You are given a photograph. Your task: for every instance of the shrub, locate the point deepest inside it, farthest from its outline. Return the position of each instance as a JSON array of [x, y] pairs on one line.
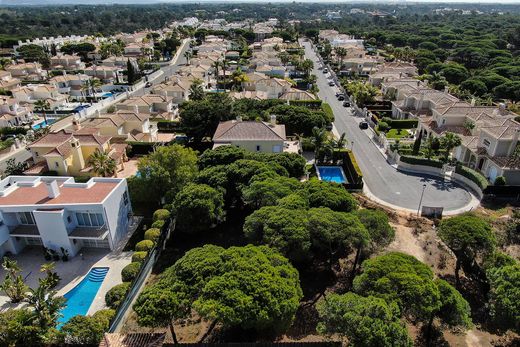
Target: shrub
[[421, 161], [383, 126], [116, 294], [472, 175], [329, 114], [161, 214], [144, 246], [139, 257], [314, 104], [104, 316], [158, 224], [403, 123], [500, 181], [130, 272], [152, 234]]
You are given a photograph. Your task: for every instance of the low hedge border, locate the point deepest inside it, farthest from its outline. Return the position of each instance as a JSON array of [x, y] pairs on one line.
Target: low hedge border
[[421, 161], [472, 175], [328, 112], [314, 104]]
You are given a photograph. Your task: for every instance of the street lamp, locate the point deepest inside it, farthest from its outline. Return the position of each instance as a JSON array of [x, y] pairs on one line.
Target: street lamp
[[420, 201]]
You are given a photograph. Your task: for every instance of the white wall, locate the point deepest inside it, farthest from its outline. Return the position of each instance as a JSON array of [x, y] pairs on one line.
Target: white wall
[[52, 225], [116, 213]]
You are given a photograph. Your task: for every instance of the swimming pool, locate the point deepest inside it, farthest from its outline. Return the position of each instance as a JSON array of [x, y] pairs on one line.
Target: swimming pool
[[44, 124], [81, 296], [331, 174]]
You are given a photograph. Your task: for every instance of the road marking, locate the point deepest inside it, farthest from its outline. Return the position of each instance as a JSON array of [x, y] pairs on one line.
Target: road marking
[[398, 193]]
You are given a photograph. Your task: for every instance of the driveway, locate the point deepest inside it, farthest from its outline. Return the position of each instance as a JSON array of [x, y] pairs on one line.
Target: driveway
[[382, 181]]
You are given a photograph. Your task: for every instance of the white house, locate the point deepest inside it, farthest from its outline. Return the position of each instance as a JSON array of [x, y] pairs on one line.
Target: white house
[[57, 212]]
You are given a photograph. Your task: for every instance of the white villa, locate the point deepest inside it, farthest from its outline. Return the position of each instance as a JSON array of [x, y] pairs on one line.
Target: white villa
[[57, 212]]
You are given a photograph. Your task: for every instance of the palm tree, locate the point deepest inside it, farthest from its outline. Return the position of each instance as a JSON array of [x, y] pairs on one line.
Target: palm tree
[[52, 278], [196, 92], [42, 106], [188, 55], [216, 66], [224, 64], [102, 164], [307, 65], [428, 149], [238, 77], [318, 138], [93, 84], [341, 52], [46, 305], [13, 284], [284, 57], [450, 141], [341, 142]]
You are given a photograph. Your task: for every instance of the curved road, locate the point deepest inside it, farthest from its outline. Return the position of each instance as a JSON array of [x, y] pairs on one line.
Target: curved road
[[382, 179]]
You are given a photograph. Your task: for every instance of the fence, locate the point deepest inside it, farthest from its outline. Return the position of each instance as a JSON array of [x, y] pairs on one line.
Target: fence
[[142, 276]]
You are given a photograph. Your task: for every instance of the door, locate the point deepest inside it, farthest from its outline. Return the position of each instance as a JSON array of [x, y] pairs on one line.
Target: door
[[492, 174]]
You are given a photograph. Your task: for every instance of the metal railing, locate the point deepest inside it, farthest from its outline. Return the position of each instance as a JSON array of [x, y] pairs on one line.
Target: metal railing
[[138, 282]]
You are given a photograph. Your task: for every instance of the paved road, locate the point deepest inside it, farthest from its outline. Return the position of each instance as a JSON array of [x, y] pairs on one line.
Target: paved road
[[383, 180], [19, 156]]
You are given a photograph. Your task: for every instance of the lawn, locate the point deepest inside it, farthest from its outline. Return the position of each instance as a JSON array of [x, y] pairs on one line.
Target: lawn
[[397, 133]]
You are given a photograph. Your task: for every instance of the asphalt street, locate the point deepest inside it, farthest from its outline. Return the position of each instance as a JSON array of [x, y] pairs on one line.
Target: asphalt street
[[382, 179]]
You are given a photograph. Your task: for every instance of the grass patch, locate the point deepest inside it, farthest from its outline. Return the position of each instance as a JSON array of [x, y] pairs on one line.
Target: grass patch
[[397, 134]]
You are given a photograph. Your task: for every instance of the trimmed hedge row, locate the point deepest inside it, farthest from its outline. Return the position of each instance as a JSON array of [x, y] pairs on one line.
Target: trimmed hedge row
[[355, 165], [403, 123], [314, 104], [421, 161], [472, 175], [329, 114]]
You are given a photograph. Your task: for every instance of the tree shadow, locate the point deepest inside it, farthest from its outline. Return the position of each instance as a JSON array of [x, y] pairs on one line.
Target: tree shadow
[[436, 338]]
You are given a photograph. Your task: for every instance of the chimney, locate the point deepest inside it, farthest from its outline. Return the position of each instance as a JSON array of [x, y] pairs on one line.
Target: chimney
[[239, 119], [76, 124], [273, 120], [446, 89], [472, 101], [53, 189], [136, 109], [98, 114]]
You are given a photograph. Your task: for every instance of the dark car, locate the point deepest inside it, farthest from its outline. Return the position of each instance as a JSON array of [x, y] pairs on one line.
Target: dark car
[[346, 104], [325, 70], [341, 97], [328, 127], [148, 84], [331, 83], [363, 125]]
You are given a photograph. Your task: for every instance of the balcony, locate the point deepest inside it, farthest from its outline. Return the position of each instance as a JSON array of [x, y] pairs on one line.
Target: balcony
[[98, 233], [23, 230]]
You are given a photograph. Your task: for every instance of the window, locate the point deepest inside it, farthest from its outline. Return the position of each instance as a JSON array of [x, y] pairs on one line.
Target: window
[[26, 218], [90, 219], [125, 198], [444, 121], [258, 148], [57, 164], [69, 220], [36, 153], [486, 143]]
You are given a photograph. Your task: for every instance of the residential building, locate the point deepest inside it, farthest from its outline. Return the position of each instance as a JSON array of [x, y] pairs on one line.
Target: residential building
[[142, 49], [68, 152], [27, 71], [392, 71], [73, 85], [66, 62], [34, 92], [157, 106], [120, 62], [177, 89], [273, 87], [8, 82], [12, 114], [254, 136], [107, 74], [58, 213]]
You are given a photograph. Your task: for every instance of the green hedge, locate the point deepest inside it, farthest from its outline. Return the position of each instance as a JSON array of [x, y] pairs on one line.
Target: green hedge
[[403, 123], [139, 257], [314, 104], [329, 114], [421, 161], [355, 165], [158, 224], [13, 131], [116, 294], [130, 272], [152, 234], [161, 214], [472, 175], [144, 246]]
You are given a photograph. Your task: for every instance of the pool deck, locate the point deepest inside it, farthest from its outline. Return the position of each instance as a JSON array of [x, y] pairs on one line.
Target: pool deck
[[72, 271]]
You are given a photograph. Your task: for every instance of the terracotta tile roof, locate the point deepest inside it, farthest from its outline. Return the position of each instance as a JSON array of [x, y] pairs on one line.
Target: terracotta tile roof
[[38, 195], [249, 131], [133, 340]]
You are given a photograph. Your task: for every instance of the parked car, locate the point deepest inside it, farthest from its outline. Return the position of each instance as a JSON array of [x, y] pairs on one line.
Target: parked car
[[341, 97], [363, 125], [325, 70], [148, 84], [331, 83], [320, 67], [346, 104], [329, 127]]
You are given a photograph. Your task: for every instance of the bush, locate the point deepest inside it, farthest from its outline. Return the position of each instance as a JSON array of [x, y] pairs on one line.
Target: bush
[[421, 161], [500, 181], [472, 175], [152, 234], [144, 246], [104, 317], [161, 214], [130, 272], [329, 114], [383, 126], [314, 104], [158, 224], [403, 123], [116, 294], [138, 257]]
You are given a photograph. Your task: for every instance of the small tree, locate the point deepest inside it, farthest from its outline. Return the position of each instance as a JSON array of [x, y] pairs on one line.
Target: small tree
[[417, 143], [42, 106], [450, 141], [319, 138], [13, 284], [365, 321], [102, 164], [504, 296], [196, 91], [470, 238], [198, 207]]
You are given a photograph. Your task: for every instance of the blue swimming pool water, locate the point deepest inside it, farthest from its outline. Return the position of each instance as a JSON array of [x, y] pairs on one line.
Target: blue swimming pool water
[[43, 124], [331, 174], [81, 296]]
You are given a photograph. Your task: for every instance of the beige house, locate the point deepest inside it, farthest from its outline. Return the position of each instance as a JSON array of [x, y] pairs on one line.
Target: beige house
[[34, 92], [73, 85], [273, 87], [27, 71], [120, 62], [125, 125], [68, 153], [8, 82], [66, 62], [107, 74], [392, 71], [254, 136], [177, 89], [12, 114]]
